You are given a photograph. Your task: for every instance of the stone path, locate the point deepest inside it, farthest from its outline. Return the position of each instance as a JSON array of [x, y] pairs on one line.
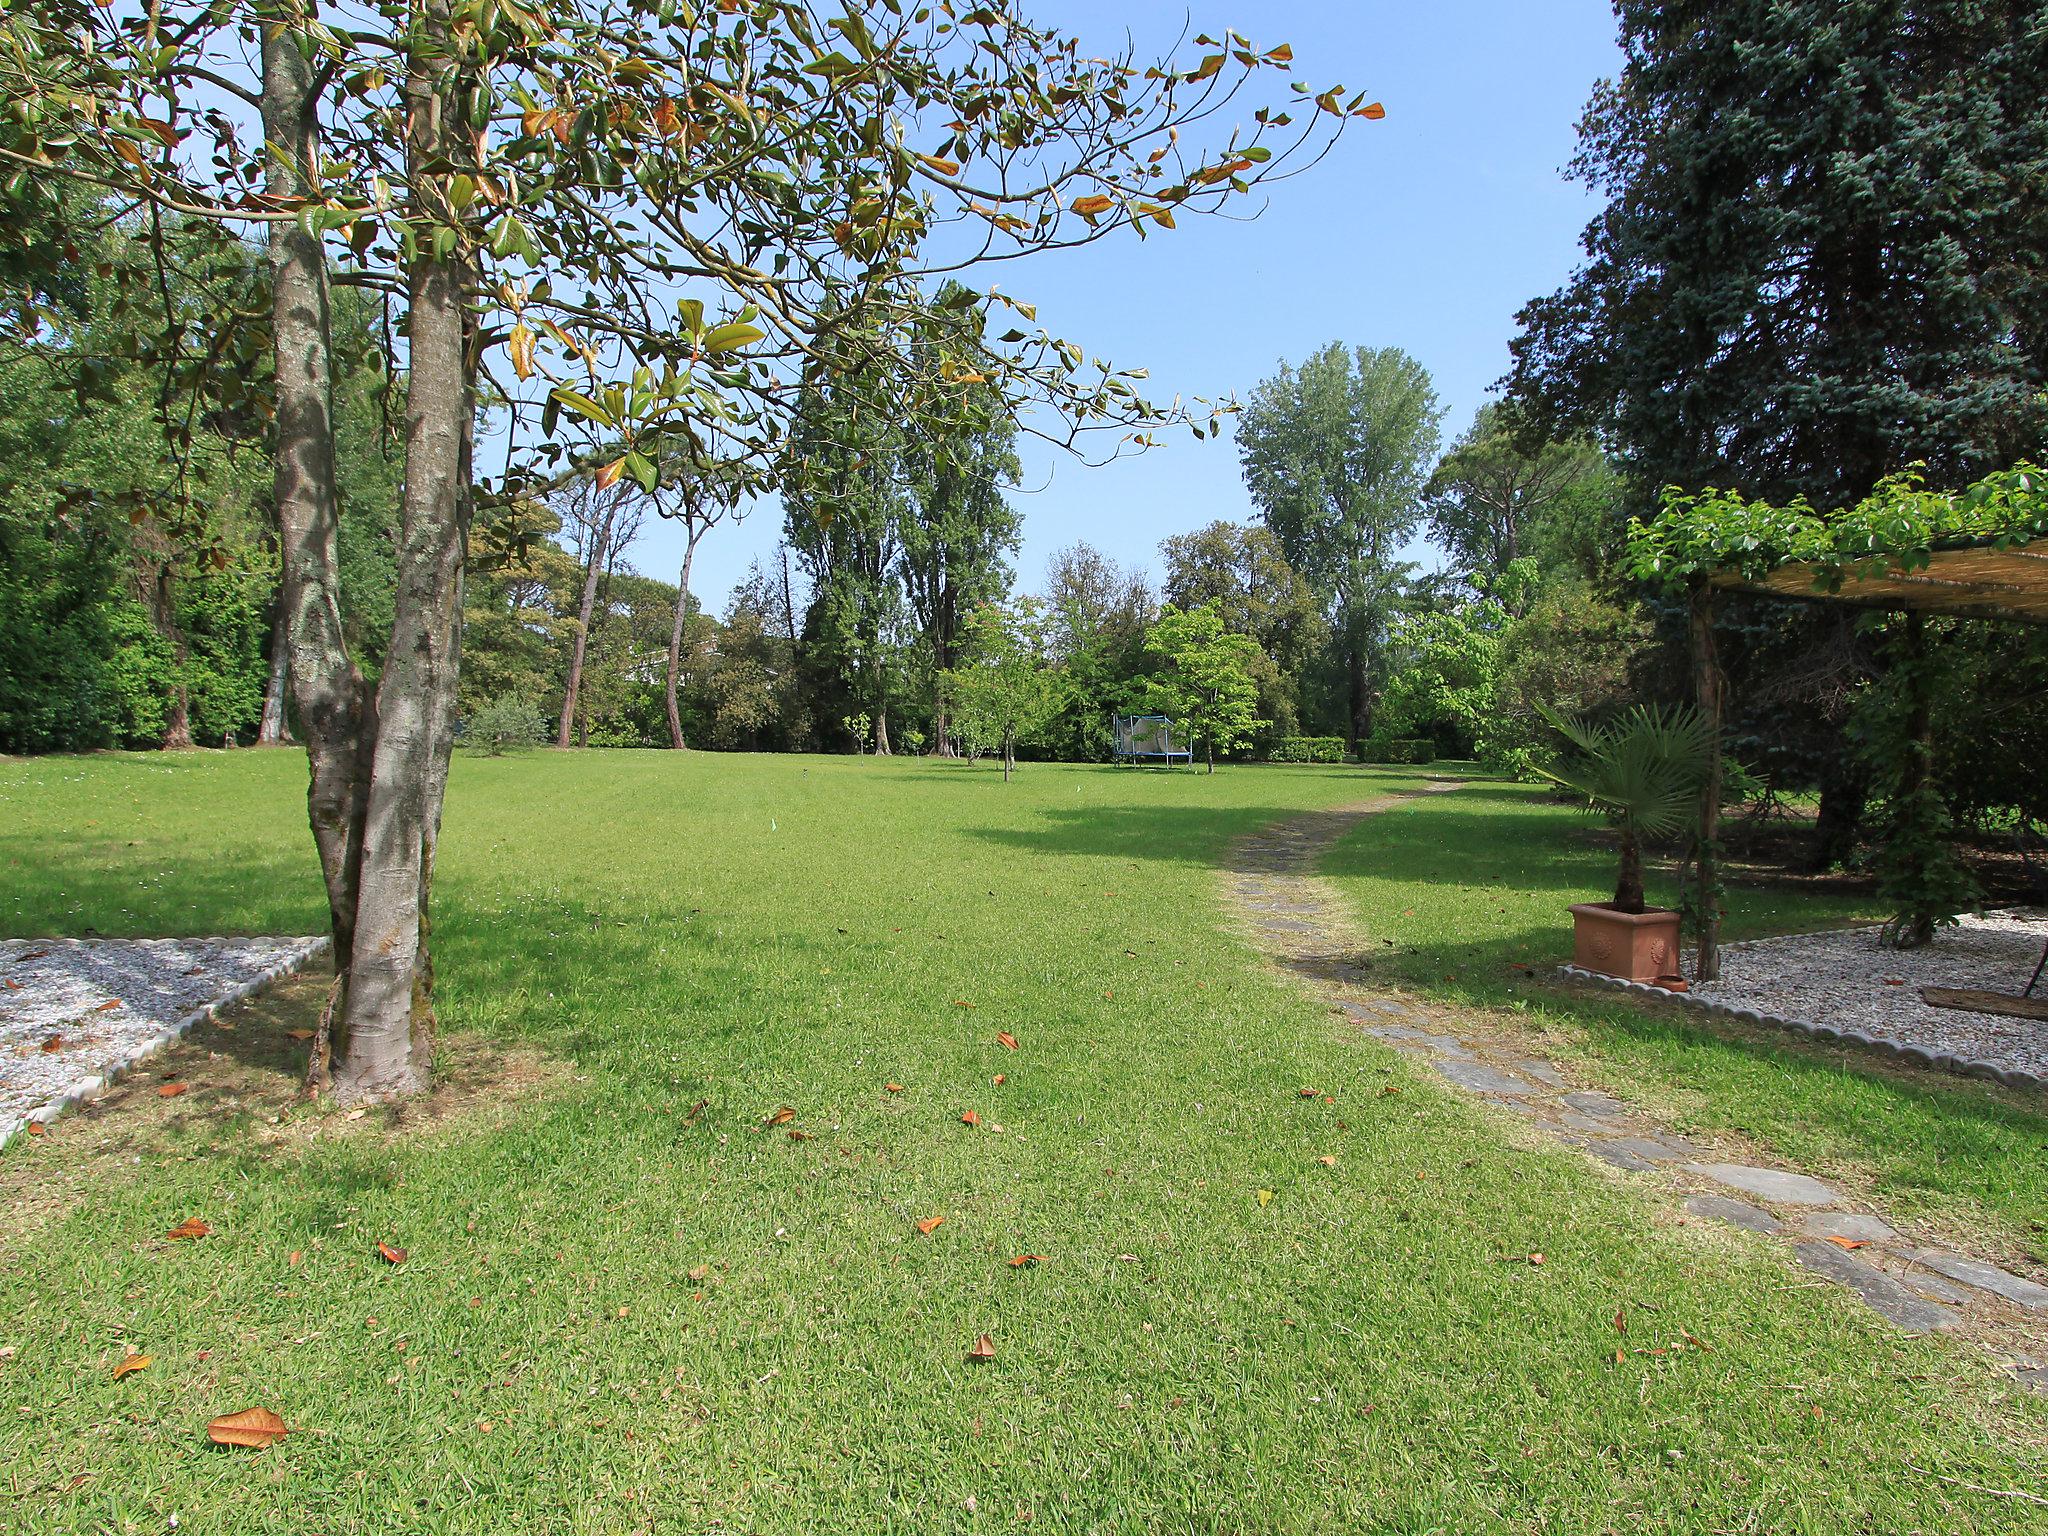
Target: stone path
[[1302, 925]]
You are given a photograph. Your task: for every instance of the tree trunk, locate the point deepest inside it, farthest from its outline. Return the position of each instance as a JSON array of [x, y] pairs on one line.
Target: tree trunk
[[275, 730], [1915, 927], [335, 708], [675, 637], [389, 1030], [881, 725], [593, 569], [1358, 722], [1209, 748], [1628, 884], [1009, 755], [163, 612], [1712, 688]]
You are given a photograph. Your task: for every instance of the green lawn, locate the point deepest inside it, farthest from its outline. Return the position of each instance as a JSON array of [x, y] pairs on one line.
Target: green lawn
[[1349, 1353], [1466, 885]]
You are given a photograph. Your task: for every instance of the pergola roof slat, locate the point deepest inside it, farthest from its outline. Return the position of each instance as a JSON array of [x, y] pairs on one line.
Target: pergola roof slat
[[1979, 581]]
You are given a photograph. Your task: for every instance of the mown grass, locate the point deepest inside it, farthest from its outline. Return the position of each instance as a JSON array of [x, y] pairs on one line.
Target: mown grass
[[618, 1317], [1467, 885]]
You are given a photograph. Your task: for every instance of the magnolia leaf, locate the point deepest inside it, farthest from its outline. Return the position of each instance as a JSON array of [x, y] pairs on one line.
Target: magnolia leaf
[[190, 1227], [931, 1224], [131, 1364], [734, 334], [253, 1428], [389, 1254], [984, 1349]]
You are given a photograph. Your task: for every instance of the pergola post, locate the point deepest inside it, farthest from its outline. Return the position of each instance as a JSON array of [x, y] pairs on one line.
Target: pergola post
[[1711, 686]]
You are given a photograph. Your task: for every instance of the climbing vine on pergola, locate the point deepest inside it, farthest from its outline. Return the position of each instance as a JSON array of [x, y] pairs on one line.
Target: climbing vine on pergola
[[1981, 552]]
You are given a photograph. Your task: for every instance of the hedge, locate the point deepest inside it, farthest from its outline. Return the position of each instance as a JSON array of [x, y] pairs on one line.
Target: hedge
[[1406, 749], [1308, 749]]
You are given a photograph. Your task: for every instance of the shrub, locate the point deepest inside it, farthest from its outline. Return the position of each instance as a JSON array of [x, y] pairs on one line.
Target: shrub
[[1308, 749], [1400, 749], [504, 725]]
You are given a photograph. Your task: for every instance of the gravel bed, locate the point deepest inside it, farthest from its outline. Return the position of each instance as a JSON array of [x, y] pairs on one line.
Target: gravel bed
[[76, 1012], [1844, 984]]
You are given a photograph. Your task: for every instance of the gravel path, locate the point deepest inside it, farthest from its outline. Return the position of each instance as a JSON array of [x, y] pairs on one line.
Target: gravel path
[[1847, 980], [75, 1012]]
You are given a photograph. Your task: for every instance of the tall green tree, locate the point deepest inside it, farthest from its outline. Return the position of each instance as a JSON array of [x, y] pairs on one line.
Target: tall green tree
[[1202, 677], [1492, 500], [1335, 454], [1005, 686], [958, 529], [1242, 570]]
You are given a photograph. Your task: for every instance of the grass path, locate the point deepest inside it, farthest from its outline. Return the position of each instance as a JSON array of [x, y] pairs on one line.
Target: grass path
[[1256, 1311]]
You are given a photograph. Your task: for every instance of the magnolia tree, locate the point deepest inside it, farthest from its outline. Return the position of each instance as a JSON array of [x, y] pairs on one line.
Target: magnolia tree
[[1006, 686], [1202, 677], [620, 226]]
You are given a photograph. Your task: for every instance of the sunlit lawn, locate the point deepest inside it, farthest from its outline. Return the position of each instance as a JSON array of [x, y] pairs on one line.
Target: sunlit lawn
[[1466, 885], [617, 1317]]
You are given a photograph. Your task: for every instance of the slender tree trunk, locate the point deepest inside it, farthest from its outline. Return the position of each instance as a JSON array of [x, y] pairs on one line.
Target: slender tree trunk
[[1844, 796], [163, 608], [1209, 748], [389, 1017], [1009, 755], [675, 637], [274, 730], [1712, 687], [1915, 928], [1628, 885], [1358, 723], [593, 569], [335, 707]]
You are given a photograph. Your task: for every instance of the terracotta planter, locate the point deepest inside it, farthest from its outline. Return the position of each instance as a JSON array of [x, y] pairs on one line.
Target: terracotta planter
[[1636, 946]]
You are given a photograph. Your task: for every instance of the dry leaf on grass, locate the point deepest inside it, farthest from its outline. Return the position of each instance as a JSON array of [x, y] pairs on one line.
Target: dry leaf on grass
[[172, 1090], [1850, 1242], [1027, 1261], [1006, 1040], [190, 1227], [252, 1428], [998, 1080], [108, 1006], [37, 1128], [892, 1087], [799, 1135], [931, 1224], [389, 1254], [1309, 1093], [1327, 1161], [970, 1118], [1265, 1197], [53, 1044], [132, 1363], [696, 1109], [700, 1272], [298, 1034], [781, 1117], [984, 1349]]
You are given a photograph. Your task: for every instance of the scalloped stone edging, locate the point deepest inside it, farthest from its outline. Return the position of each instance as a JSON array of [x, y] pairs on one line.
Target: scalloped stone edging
[[1918, 1055], [87, 1089]]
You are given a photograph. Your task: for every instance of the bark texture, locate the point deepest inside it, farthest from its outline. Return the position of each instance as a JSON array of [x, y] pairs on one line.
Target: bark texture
[[675, 639]]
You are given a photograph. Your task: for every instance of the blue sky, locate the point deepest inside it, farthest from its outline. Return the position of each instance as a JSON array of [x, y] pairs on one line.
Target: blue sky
[[1425, 231]]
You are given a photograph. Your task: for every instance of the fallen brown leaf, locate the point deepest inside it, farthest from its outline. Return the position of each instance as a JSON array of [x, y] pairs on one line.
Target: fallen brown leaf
[[970, 1118], [190, 1227], [132, 1363], [1006, 1040], [781, 1117], [696, 1109], [53, 1044], [294, 1258], [984, 1349], [1309, 1093], [298, 1034], [799, 1135], [700, 1272], [253, 1428], [1327, 1161], [1850, 1242], [892, 1087], [108, 1006], [37, 1128], [172, 1090], [931, 1224], [961, 1002], [1620, 1320], [389, 1254], [998, 1080], [1027, 1260]]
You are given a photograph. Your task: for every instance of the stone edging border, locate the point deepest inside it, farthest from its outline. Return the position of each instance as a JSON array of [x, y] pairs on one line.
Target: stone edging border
[[93, 1087], [1918, 1055]]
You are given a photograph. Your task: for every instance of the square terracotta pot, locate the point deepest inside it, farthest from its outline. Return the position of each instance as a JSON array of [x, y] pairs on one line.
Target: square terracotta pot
[[1636, 946]]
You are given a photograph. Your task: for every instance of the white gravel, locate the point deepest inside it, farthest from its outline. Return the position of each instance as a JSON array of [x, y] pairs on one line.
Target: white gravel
[[75, 1012], [1846, 980]]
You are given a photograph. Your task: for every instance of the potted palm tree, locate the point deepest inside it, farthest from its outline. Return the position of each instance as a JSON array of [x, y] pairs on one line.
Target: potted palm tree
[[1643, 770]]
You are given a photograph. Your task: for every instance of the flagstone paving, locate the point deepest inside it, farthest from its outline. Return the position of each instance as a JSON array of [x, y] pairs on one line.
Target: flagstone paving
[[1301, 924]]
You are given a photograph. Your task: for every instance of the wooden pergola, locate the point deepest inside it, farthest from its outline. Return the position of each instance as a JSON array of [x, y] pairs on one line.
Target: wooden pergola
[[1973, 579]]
